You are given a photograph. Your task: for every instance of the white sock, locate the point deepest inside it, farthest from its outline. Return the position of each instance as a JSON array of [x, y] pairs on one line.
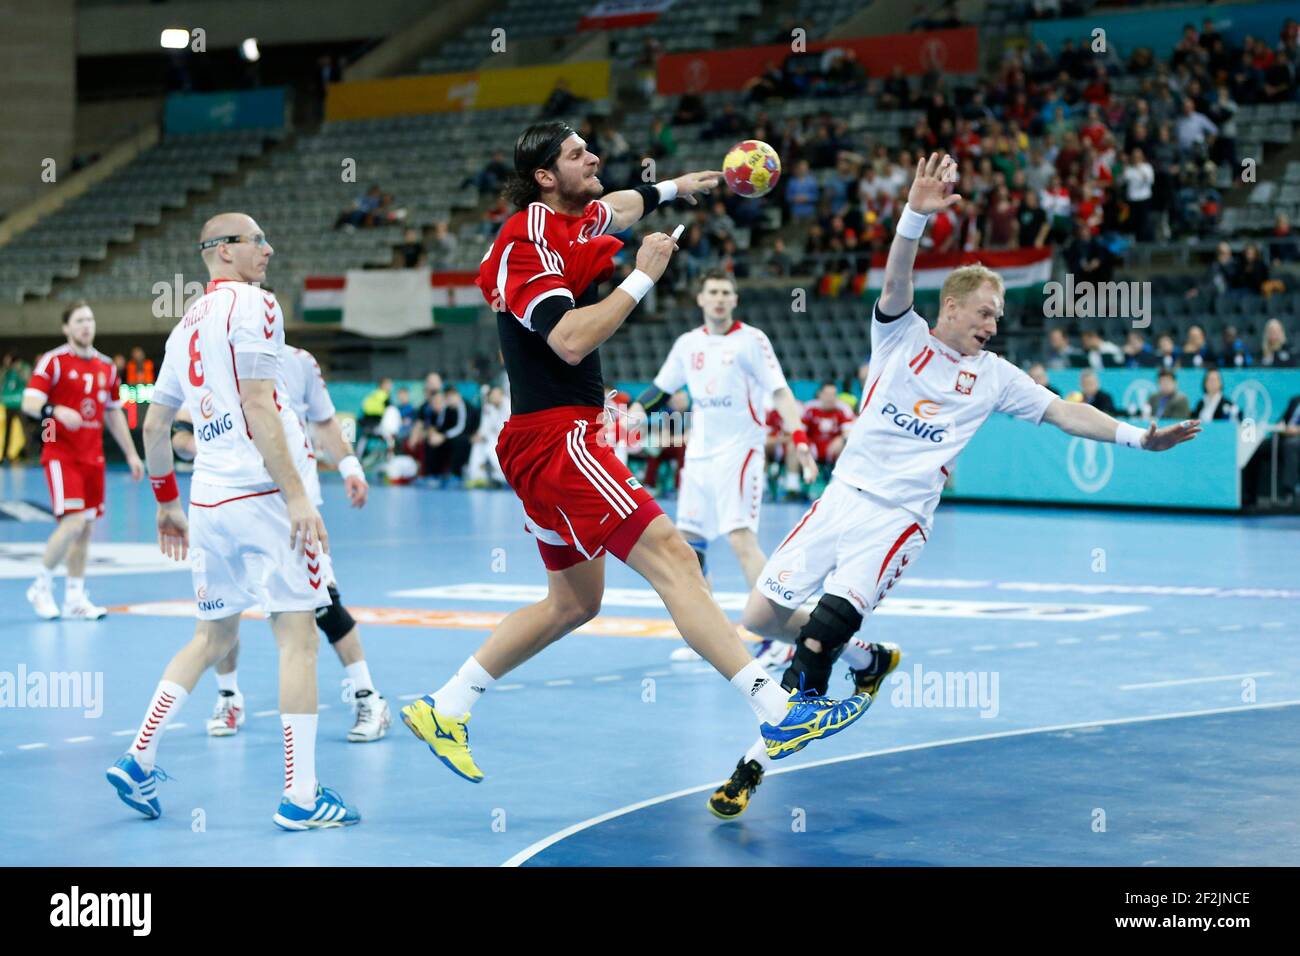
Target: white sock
[[766, 696], [229, 682], [300, 758], [359, 674], [857, 654], [167, 699], [759, 752], [462, 692], [74, 589], [45, 577]]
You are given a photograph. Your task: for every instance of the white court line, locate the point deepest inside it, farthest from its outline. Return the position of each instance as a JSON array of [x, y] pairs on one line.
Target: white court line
[[939, 650], [76, 740], [1103, 637], [1232, 627], [1189, 630], [181, 726], [985, 647], [529, 852], [1025, 644], [123, 733], [32, 746], [1272, 624], [1151, 633], [410, 697], [657, 674], [265, 713], [508, 687], [607, 677], [562, 682], [1193, 680], [1075, 640]]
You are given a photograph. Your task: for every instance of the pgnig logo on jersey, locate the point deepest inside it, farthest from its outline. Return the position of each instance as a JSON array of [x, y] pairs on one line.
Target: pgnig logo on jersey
[[777, 586], [914, 422], [205, 603], [218, 426]]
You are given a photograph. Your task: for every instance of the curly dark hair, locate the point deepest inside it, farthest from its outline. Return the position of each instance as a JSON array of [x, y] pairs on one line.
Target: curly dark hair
[[538, 147]]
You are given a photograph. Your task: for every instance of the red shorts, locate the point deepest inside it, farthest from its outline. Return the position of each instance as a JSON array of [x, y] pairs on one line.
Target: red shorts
[[75, 486], [578, 498]]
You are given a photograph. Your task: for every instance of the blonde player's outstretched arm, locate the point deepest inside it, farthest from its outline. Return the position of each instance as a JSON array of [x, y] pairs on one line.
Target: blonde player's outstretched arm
[[1078, 418], [931, 191]]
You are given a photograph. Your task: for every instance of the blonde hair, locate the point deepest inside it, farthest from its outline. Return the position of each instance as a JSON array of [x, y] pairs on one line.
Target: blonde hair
[[962, 282]]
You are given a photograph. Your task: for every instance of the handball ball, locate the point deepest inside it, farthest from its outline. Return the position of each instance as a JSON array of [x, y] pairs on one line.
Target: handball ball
[[751, 168]]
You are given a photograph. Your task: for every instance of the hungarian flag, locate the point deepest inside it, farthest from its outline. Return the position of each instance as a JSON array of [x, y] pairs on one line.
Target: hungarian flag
[[426, 298], [1023, 271], [618, 14]]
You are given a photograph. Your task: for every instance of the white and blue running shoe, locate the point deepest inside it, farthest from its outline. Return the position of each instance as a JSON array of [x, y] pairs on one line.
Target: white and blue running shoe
[[137, 787], [330, 811]]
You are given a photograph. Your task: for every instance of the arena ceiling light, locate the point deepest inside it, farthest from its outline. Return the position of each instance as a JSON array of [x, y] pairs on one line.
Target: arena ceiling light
[[249, 51], [174, 38]]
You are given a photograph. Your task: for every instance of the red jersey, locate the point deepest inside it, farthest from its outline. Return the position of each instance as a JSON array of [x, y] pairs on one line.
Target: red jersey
[[822, 424], [541, 264], [86, 385]]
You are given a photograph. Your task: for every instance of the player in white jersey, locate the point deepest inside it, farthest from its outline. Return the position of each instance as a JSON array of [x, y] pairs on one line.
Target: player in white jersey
[[253, 537], [733, 375], [303, 388], [929, 392]]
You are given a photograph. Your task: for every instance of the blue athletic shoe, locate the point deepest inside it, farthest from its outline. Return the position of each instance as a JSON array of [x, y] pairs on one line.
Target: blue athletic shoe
[[811, 716], [330, 811], [136, 786]]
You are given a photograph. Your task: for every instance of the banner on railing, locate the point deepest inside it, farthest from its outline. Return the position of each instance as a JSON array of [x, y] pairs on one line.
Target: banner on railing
[[707, 71], [231, 109], [386, 303], [1022, 270], [620, 14]]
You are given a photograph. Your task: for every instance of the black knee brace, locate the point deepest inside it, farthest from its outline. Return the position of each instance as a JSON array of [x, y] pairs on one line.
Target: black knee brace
[[834, 620], [335, 621]]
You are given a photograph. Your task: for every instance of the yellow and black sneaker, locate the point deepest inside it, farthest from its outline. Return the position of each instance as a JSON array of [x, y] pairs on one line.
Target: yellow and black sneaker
[[730, 800], [885, 658]]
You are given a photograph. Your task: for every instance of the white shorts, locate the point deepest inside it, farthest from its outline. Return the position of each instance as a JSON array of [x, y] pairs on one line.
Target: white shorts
[[720, 493], [850, 544], [240, 556]]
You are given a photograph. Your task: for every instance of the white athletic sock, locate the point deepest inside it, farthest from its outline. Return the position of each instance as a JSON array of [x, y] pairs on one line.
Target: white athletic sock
[[759, 752], [75, 589], [229, 682], [45, 577], [462, 692], [300, 758], [857, 654], [359, 674], [167, 699], [766, 696]]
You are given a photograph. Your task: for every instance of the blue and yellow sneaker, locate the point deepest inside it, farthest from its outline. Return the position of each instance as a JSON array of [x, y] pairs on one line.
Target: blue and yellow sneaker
[[329, 811], [730, 800], [811, 716], [136, 786], [885, 658], [447, 737]]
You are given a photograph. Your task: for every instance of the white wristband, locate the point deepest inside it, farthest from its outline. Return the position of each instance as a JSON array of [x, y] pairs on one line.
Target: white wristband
[[667, 191], [1129, 435], [349, 467], [637, 284], [911, 224]]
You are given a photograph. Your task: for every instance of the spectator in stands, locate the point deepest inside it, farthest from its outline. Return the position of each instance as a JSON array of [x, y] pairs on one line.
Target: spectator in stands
[[14, 373], [662, 143], [1196, 353], [1168, 401], [690, 110], [895, 93], [1253, 274], [1167, 355], [443, 247], [1138, 352], [1097, 352], [494, 216], [1233, 351], [826, 422], [1000, 228], [373, 405], [778, 262], [1039, 374], [561, 102], [1059, 353], [459, 423], [427, 440], [802, 192], [410, 254], [1289, 451], [1090, 393], [406, 411], [1214, 405], [1033, 227], [1282, 247], [1194, 128], [492, 177], [1088, 257], [728, 125], [362, 211], [1274, 351], [139, 371], [1139, 182], [119, 363], [1223, 113], [484, 470]]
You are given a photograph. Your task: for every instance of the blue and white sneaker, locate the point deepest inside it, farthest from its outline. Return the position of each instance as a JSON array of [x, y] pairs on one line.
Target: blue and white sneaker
[[811, 716], [136, 786], [330, 811]]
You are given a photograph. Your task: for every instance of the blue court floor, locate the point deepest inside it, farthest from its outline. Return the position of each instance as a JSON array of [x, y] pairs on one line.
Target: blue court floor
[[1077, 687]]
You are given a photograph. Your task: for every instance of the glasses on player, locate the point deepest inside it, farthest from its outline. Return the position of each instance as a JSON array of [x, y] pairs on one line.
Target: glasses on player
[[258, 239]]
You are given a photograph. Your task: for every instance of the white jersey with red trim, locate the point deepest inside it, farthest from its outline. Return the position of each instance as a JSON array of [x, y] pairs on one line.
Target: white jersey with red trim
[[923, 404], [198, 372], [732, 378]]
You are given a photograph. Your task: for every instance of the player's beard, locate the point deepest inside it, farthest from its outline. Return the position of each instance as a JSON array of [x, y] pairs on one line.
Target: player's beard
[[583, 192]]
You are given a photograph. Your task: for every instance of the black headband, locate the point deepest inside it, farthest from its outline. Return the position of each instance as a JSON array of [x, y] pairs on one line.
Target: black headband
[[550, 156]]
